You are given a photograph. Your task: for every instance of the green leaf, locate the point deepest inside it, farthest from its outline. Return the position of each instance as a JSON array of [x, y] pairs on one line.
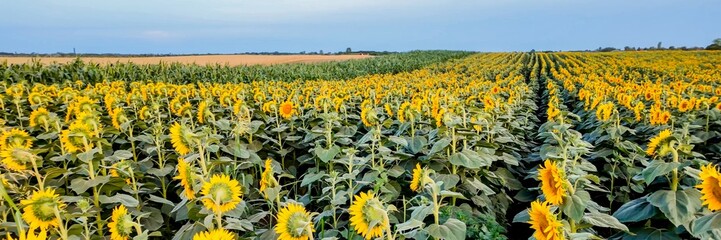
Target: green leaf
[[446, 193], [604, 220], [657, 168], [123, 154], [79, 185], [124, 199], [706, 223], [650, 234], [453, 229], [679, 206], [326, 155], [469, 159], [311, 177], [575, 205], [416, 144], [439, 146], [522, 217], [636, 210]]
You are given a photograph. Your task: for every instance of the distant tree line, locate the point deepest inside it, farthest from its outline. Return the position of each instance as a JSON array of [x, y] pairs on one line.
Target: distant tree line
[[715, 45], [348, 51]]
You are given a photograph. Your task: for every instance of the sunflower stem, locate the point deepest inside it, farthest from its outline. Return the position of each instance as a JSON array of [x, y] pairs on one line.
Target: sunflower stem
[[674, 180]]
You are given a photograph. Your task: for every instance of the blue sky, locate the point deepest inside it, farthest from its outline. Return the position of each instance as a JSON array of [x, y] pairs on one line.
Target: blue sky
[[230, 26]]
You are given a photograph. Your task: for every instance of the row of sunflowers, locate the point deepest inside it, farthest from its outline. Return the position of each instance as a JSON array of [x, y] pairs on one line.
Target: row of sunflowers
[[640, 130], [430, 153]]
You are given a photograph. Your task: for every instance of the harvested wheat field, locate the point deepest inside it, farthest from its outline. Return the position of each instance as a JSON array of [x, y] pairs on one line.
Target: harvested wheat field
[[201, 60]]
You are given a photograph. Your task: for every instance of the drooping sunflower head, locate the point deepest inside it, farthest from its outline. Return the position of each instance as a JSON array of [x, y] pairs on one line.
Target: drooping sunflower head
[[15, 138], [221, 194], [92, 120], [286, 109], [368, 116], [659, 143], [204, 111], [17, 158], [118, 118], [388, 109], [266, 179], [39, 209], [122, 170], [216, 234], [294, 223], [84, 104], [417, 181], [544, 222], [77, 137], [710, 187], [368, 216], [186, 175], [121, 224], [553, 183], [183, 138], [40, 117], [144, 113]]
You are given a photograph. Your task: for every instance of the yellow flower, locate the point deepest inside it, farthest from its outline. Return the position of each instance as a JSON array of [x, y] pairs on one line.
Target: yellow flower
[[638, 110], [294, 223], [186, 177], [656, 142], [39, 209], [552, 112], [39, 116], [144, 113], [710, 187], [30, 235], [544, 222], [388, 109], [368, 216], [15, 138], [718, 106], [604, 111], [417, 182], [266, 179], [182, 138], [402, 111], [203, 111], [685, 105], [552, 182], [77, 137], [17, 158], [121, 224], [118, 117], [221, 194], [121, 170], [217, 234], [286, 109]]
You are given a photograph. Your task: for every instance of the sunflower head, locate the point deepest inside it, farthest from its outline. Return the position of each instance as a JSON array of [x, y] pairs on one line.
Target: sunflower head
[[544, 222], [92, 120], [417, 181], [183, 138], [685, 105], [121, 170], [77, 137], [286, 109], [710, 187], [294, 223], [368, 216], [118, 118], [388, 109], [660, 143], [204, 111], [30, 235], [553, 183], [121, 224], [186, 175], [15, 138], [39, 209], [17, 158], [216, 234], [266, 179], [368, 116], [40, 117], [144, 113], [221, 194]]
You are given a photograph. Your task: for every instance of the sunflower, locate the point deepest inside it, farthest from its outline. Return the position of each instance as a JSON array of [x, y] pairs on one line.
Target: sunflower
[[552, 112], [638, 110], [144, 113], [17, 158], [286, 109], [552, 182], [217, 234], [685, 105], [30, 235], [121, 170], [367, 210], [15, 138], [656, 142], [118, 118], [39, 116], [182, 138], [186, 177], [39, 209], [266, 179], [203, 111], [368, 116], [388, 109], [544, 222], [417, 182], [718, 106], [121, 224], [710, 187], [604, 111], [77, 137], [92, 120], [221, 194], [294, 223]]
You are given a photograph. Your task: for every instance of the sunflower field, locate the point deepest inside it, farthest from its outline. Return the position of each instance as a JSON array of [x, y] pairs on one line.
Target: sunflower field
[[421, 145]]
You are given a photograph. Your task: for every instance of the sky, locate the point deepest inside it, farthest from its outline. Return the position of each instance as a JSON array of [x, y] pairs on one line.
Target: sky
[[236, 26]]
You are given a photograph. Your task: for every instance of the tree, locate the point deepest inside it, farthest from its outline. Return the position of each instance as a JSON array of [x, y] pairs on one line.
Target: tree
[[658, 46], [348, 50], [716, 45]]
